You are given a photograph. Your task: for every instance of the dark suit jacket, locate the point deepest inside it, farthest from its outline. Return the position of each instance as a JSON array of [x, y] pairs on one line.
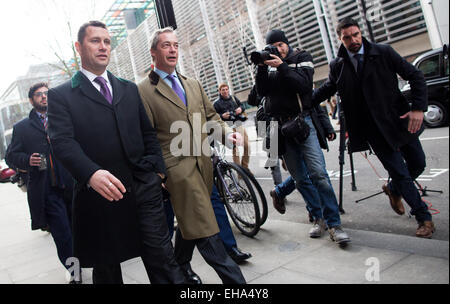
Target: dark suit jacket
[[379, 89], [89, 134], [29, 136], [223, 106]]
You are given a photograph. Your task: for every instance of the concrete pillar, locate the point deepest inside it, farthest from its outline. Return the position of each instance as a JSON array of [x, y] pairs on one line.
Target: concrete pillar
[[323, 30], [432, 25]]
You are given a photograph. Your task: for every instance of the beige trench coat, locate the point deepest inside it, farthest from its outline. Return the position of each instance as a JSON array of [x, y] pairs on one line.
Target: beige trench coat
[[189, 177]]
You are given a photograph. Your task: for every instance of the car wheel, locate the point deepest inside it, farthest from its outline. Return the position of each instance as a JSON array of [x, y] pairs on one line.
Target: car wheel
[[436, 115]]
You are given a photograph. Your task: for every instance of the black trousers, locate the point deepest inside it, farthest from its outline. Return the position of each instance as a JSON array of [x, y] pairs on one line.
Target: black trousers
[[403, 166], [157, 251], [107, 274], [59, 223], [214, 253]]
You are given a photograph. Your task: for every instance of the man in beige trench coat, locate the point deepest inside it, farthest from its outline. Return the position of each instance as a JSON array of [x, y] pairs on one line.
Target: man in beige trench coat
[[178, 109]]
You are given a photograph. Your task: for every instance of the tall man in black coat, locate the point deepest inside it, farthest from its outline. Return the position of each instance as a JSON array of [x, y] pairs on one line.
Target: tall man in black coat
[[101, 133], [49, 186], [377, 114]]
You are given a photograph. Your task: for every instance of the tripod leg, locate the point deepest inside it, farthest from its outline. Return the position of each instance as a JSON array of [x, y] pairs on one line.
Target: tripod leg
[[341, 156], [353, 170], [341, 184], [424, 190]]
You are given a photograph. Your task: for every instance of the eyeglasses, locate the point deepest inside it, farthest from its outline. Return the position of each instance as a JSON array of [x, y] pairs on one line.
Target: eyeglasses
[[40, 94]]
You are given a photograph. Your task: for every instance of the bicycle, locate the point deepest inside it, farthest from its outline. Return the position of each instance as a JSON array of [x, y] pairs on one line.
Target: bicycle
[[235, 187], [262, 201]]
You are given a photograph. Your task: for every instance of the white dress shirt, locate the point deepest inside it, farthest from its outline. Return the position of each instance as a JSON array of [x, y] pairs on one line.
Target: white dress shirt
[[91, 76], [352, 57], [163, 75]]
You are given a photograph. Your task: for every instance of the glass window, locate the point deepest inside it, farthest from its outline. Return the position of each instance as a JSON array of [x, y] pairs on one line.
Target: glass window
[[430, 66]]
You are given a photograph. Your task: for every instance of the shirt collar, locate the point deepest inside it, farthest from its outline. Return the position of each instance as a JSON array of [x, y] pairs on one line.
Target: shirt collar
[[361, 51], [91, 76], [163, 74], [41, 116]]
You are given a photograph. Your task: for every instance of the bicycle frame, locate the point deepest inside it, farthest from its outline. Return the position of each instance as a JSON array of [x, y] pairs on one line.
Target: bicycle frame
[[218, 163]]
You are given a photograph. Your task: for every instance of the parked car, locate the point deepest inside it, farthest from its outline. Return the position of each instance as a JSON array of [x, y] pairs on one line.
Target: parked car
[[6, 174], [435, 67]]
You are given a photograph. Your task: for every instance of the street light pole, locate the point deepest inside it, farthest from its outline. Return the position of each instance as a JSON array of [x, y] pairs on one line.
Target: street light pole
[[366, 20]]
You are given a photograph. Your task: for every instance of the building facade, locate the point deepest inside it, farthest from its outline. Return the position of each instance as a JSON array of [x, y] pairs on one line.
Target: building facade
[[213, 33]]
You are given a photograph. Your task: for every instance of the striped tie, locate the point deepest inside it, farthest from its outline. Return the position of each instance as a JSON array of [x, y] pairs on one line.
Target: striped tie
[[44, 119]]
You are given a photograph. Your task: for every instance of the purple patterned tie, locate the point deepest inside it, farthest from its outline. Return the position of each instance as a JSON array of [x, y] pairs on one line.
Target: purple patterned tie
[[177, 89], [104, 88]]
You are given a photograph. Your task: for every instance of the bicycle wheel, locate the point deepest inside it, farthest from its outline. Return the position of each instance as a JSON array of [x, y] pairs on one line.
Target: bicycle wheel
[[239, 198], [262, 197]]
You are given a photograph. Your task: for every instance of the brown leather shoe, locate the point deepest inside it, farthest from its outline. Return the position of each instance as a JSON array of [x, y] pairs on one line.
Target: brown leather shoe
[[425, 230], [395, 200], [278, 203]]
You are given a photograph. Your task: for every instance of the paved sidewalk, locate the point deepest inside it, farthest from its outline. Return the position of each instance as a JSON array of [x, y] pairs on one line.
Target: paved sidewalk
[[282, 254]]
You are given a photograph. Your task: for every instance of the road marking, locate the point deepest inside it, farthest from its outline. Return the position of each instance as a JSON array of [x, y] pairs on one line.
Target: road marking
[[334, 175], [434, 138], [433, 173]]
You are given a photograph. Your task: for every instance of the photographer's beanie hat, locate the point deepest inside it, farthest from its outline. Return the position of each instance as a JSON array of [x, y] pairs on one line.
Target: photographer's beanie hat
[[276, 36]]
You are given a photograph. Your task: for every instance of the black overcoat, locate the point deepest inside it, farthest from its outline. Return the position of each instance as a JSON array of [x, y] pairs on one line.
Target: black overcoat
[[29, 136], [379, 87], [89, 134]]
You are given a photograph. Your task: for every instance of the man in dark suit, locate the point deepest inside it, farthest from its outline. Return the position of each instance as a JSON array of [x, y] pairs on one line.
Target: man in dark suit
[[49, 185], [101, 133], [377, 114]]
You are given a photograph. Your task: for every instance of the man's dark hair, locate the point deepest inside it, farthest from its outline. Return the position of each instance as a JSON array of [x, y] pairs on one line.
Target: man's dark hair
[[36, 87], [83, 28], [345, 23]]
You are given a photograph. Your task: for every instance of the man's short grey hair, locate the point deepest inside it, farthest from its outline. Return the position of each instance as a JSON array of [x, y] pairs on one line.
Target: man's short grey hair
[[155, 37]]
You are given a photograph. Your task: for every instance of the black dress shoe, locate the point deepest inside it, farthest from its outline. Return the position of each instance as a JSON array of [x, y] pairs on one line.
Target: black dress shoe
[[278, 203], [191, 276], [238, 256]]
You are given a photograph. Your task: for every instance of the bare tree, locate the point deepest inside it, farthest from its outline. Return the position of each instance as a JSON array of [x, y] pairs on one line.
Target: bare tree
[[187, 50], [59, 46], [234, 36]]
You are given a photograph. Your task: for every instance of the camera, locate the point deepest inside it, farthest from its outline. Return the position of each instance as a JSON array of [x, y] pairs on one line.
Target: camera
[[259, 57], [234, 117]]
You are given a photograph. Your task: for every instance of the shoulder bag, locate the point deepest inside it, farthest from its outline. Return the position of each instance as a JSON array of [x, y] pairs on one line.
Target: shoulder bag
[[296, 129]]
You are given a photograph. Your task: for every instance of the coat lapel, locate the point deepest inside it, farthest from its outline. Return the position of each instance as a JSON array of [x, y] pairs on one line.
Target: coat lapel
[[118, 93], [188, 90], [163, 88], [370, 56], [86, 87], [36, 121], [348, 65]]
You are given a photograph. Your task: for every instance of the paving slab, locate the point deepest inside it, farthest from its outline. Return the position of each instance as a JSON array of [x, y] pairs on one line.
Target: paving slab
[[282, 253], [417, 269]]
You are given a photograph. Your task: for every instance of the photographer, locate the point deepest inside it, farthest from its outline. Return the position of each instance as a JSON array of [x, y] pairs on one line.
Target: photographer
[[230, 109], [286, 80]]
